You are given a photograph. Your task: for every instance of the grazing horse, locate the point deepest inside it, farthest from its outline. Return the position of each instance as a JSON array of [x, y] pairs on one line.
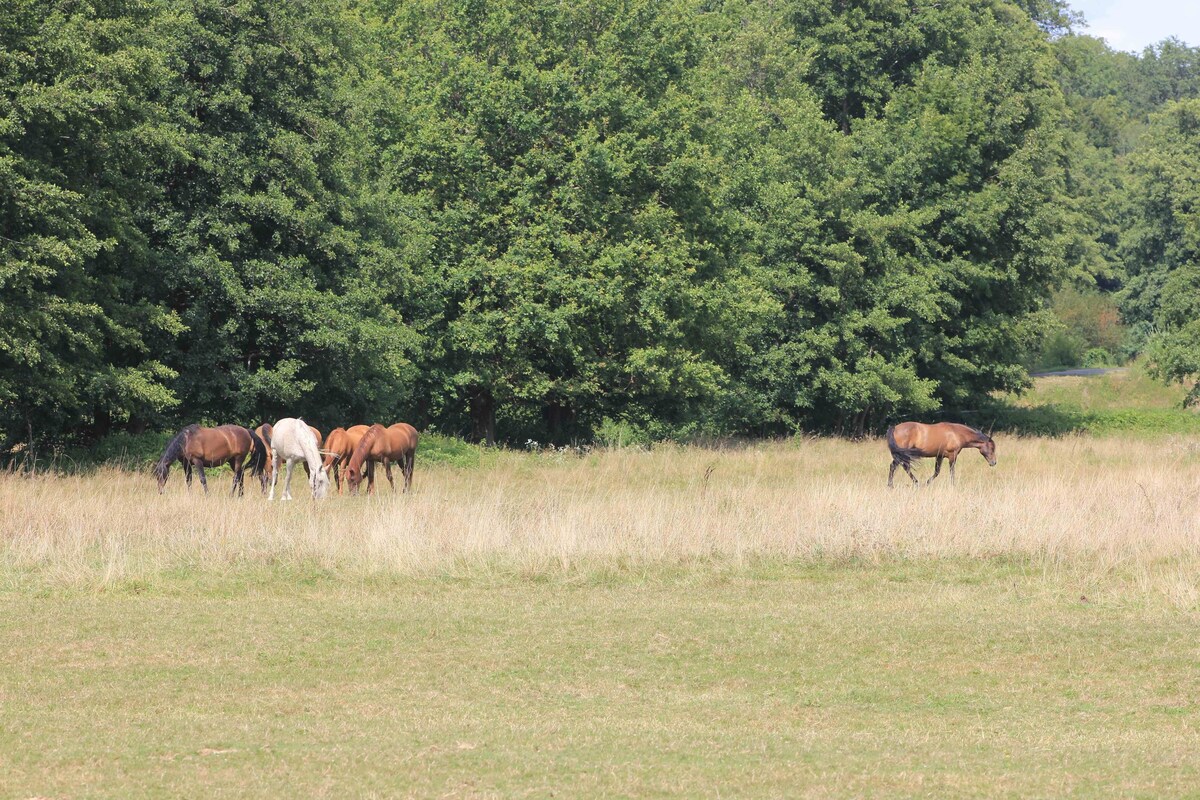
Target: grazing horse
[[396, 443], [210, 447], [909, 441], [266, 429], [338, 449], [173, 453], [295, 441]]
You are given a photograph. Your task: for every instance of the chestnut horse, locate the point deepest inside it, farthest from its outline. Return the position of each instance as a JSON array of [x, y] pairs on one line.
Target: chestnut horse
[[199, 447], [396, 443], [909, 441], [338, 449], [265, 432]]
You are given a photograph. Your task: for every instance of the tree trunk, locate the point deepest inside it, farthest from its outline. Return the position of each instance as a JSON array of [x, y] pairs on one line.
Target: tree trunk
[[557, 417], [483, 417]]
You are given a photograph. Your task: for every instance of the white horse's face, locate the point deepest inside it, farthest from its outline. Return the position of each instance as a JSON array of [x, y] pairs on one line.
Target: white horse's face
[[320, 483]]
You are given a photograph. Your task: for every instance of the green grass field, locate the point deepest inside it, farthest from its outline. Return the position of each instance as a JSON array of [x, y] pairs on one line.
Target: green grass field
[[759, 620], [1126, 402], [945, 678]]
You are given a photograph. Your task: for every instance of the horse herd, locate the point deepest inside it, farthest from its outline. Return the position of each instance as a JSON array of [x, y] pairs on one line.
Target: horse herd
[[289, 440], [360, 447]]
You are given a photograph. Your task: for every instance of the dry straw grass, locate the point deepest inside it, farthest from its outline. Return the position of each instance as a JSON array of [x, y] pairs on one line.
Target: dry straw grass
[[1101, 505]]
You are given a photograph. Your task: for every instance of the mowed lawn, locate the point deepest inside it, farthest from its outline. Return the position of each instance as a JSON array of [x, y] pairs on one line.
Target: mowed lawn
[[948, 677]]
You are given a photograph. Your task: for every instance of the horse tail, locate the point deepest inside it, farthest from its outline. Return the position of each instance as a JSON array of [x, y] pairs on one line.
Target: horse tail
[[258, 454], [904, 455]]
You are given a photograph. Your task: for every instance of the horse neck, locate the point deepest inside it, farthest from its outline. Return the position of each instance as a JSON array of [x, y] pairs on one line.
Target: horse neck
[[973, 439], [308, 446], [364, 447]]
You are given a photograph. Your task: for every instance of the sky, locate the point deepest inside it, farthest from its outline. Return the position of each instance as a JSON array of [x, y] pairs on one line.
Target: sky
[[1133, 24]]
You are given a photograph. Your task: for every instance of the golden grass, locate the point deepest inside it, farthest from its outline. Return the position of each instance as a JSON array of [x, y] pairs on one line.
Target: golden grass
[[1099, 505], [767, 621]]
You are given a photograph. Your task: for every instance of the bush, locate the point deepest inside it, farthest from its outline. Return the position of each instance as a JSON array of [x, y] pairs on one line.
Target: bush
[[1098, 357], [1088, 333], [1063, 348], [616, 434]]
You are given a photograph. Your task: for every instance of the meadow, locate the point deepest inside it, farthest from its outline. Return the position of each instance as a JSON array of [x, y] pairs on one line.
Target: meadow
[[758, 620]]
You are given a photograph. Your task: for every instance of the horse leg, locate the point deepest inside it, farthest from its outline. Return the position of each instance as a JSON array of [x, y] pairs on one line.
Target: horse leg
[[200, 467], [337, 476], [274, 471], [287, 481], [908, 469], [187, 473], [387, 468], [953, 458], [408, 470], [892, 471], [937, 468], [370, 477]]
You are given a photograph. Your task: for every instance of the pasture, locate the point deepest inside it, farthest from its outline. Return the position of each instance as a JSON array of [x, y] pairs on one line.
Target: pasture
[[764, 620]]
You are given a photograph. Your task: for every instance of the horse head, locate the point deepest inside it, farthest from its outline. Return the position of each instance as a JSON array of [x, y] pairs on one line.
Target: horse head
[[987, 449], [319, 481], [354, 476], [161, 470]]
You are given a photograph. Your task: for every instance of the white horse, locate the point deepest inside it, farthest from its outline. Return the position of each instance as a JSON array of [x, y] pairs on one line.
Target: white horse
[[292, 441]]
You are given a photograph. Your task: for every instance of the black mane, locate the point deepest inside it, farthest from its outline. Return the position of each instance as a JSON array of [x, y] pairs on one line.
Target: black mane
[[174, 450]]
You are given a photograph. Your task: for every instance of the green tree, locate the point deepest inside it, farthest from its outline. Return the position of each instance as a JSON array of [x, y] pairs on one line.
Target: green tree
[[1162, 243], [279, 257], [79, 133]]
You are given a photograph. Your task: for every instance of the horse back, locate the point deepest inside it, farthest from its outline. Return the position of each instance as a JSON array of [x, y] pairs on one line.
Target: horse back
[[930, 439], [342, 442], [214, 445], [402, 438]]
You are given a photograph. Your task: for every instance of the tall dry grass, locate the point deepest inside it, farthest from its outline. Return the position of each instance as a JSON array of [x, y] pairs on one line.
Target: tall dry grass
[[1094, 504]]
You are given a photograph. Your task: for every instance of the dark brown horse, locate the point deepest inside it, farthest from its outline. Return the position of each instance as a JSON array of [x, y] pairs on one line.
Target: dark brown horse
[[201, 447], [265, 432], [909, 441], [338, 449], [397, 443]]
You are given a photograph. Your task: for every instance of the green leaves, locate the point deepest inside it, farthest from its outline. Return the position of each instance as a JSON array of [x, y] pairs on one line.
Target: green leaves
[[1163, 242], [525, 219]]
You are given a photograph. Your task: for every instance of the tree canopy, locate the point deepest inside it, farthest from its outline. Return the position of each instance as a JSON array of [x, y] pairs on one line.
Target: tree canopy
[[533, 219]]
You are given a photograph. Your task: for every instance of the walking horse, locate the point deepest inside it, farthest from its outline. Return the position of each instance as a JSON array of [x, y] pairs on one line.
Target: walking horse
[[909, 441]]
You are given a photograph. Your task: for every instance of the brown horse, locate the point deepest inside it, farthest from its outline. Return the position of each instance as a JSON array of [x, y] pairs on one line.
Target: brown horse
[[199, 447], [397, 443], [909, 441], [338, 449], [265, 432]]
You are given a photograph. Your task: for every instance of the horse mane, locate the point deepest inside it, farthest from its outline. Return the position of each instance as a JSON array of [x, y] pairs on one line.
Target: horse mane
[[983, 437], [364, 445], [174, 450], [305, 437]]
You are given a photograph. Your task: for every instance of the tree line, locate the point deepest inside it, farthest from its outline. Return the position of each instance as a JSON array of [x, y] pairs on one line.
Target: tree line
[[541, 219]]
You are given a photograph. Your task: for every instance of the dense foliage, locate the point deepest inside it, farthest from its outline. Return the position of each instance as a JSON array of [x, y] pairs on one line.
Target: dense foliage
[[540, 219]]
